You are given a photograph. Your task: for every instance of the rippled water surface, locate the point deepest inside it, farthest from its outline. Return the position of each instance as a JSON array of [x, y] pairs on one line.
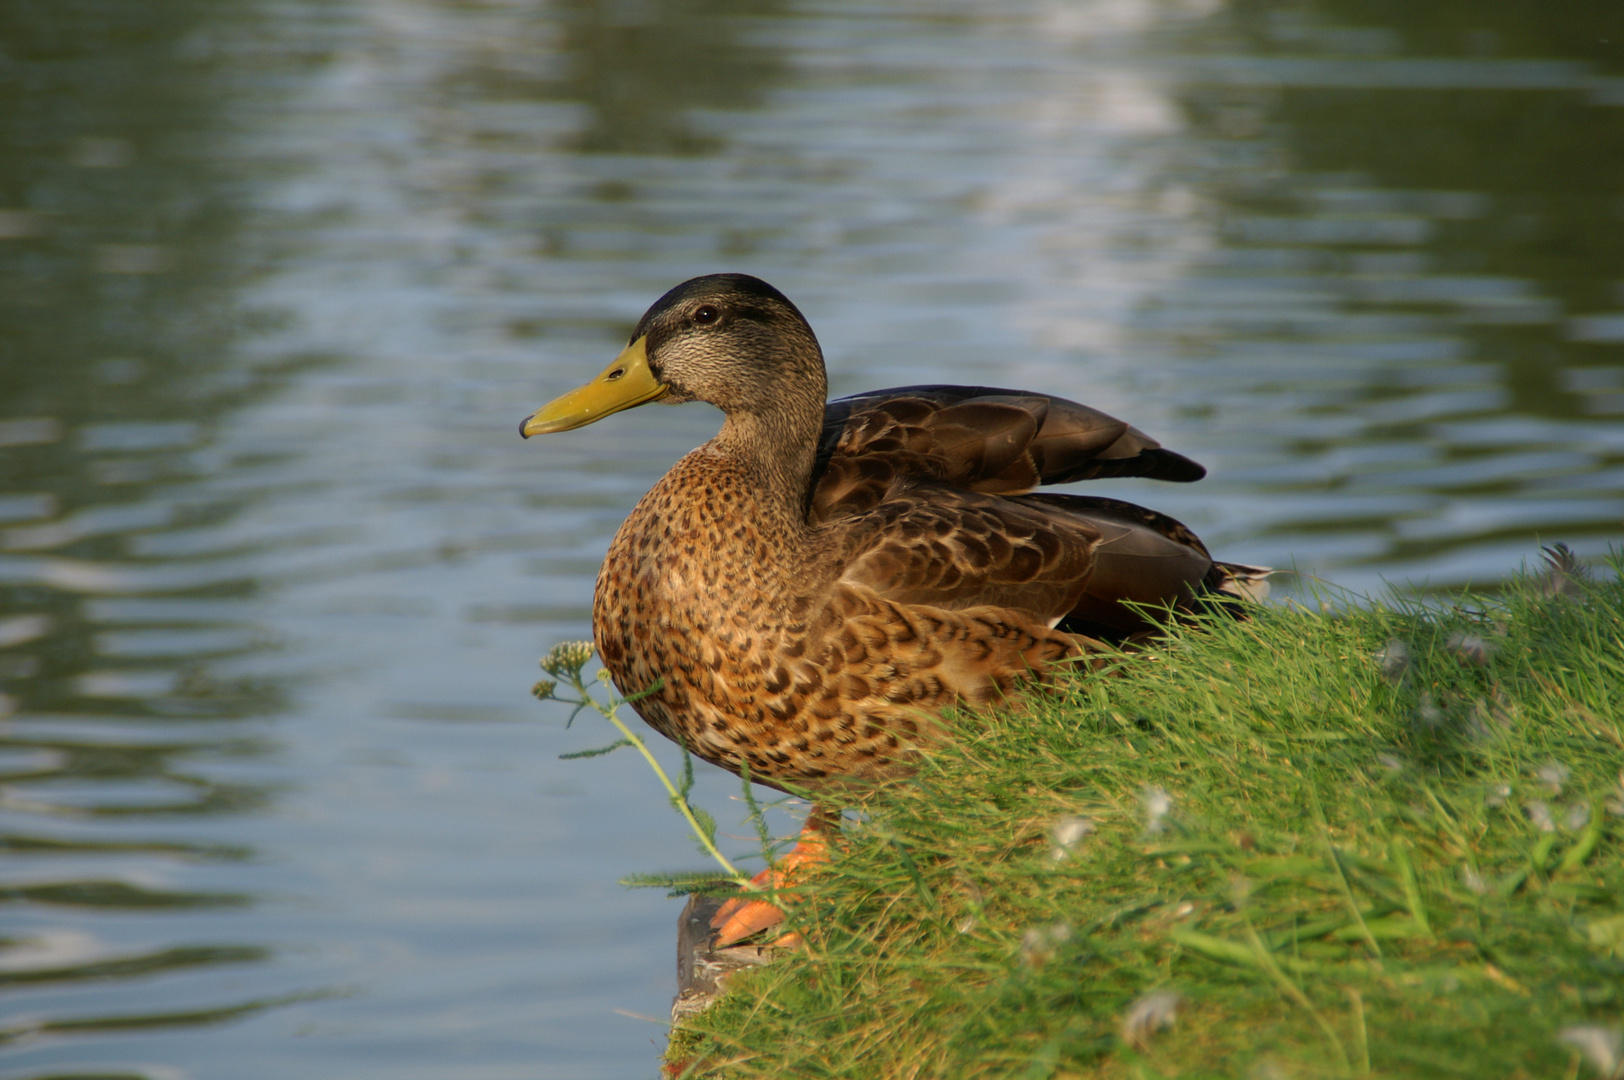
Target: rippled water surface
[[279, 279]]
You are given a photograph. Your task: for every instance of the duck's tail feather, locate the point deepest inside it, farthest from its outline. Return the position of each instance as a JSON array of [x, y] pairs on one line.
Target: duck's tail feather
[[1238, 582]]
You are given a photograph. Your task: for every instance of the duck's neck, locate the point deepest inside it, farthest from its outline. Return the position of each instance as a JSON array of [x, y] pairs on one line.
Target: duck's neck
[[778, 445]]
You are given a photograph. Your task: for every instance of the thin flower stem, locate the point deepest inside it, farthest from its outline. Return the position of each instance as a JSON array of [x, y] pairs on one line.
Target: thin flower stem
[[610, 712]]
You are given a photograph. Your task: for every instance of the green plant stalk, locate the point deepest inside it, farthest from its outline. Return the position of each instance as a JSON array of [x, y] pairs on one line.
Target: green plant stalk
[[610, 712]]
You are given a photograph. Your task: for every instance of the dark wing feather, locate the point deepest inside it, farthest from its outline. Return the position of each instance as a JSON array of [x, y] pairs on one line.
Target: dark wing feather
[[1143, 557], [1077, 562], [951, 548], [982, 438], [926, 488]]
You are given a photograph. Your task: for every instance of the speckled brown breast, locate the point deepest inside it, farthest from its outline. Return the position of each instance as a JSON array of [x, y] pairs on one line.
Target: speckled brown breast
[[737, 608]]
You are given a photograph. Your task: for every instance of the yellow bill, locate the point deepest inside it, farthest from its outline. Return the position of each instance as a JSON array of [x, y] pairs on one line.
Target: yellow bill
[[623, 384]]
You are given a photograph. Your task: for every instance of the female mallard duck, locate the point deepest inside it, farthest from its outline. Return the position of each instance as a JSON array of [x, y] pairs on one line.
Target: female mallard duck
[[812, 587]]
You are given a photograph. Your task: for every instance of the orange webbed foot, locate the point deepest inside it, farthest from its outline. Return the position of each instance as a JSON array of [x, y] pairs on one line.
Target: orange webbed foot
[[744, 916]]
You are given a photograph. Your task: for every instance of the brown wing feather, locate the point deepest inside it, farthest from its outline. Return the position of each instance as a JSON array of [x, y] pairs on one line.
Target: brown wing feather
[[956, 549], [925, 486], [1143, 557], [983, 438], [1076, 562]]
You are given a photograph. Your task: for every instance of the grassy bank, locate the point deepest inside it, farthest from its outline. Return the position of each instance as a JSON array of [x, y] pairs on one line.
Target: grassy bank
[[1385, 842]]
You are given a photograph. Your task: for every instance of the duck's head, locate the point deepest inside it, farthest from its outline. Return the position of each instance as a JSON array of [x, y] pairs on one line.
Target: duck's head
[[729, 339]]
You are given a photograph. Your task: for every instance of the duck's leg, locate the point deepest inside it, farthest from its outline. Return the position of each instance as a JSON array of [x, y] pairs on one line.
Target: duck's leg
[[743, 916]]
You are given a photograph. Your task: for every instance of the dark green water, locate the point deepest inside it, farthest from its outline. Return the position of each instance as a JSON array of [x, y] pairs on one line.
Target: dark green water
[[278, 281]]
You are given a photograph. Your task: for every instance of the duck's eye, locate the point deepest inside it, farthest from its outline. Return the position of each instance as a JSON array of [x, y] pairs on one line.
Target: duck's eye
[[706, 315]]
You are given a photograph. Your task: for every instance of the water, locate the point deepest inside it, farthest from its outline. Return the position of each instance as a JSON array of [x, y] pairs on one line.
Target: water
[[278, 281]]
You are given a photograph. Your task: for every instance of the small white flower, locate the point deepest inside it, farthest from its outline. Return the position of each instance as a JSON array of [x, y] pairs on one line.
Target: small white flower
[[1158, 805], [1615, 797], [1602, 1047], [1035, 949], [1473, 881], [1553, 774], [1497, 795], [1038, 942], [1577, 817], [1427, 713], [1540, 815], [1067, 834], [1391, 762], [1471, 650], [1153, 1012], [1393, 659]]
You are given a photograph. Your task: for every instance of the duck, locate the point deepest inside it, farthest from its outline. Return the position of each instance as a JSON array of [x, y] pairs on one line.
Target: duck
[[804, 599]]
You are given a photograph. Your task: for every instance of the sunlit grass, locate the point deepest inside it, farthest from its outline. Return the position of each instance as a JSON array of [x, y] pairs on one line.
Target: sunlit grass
[[1286, 847]]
